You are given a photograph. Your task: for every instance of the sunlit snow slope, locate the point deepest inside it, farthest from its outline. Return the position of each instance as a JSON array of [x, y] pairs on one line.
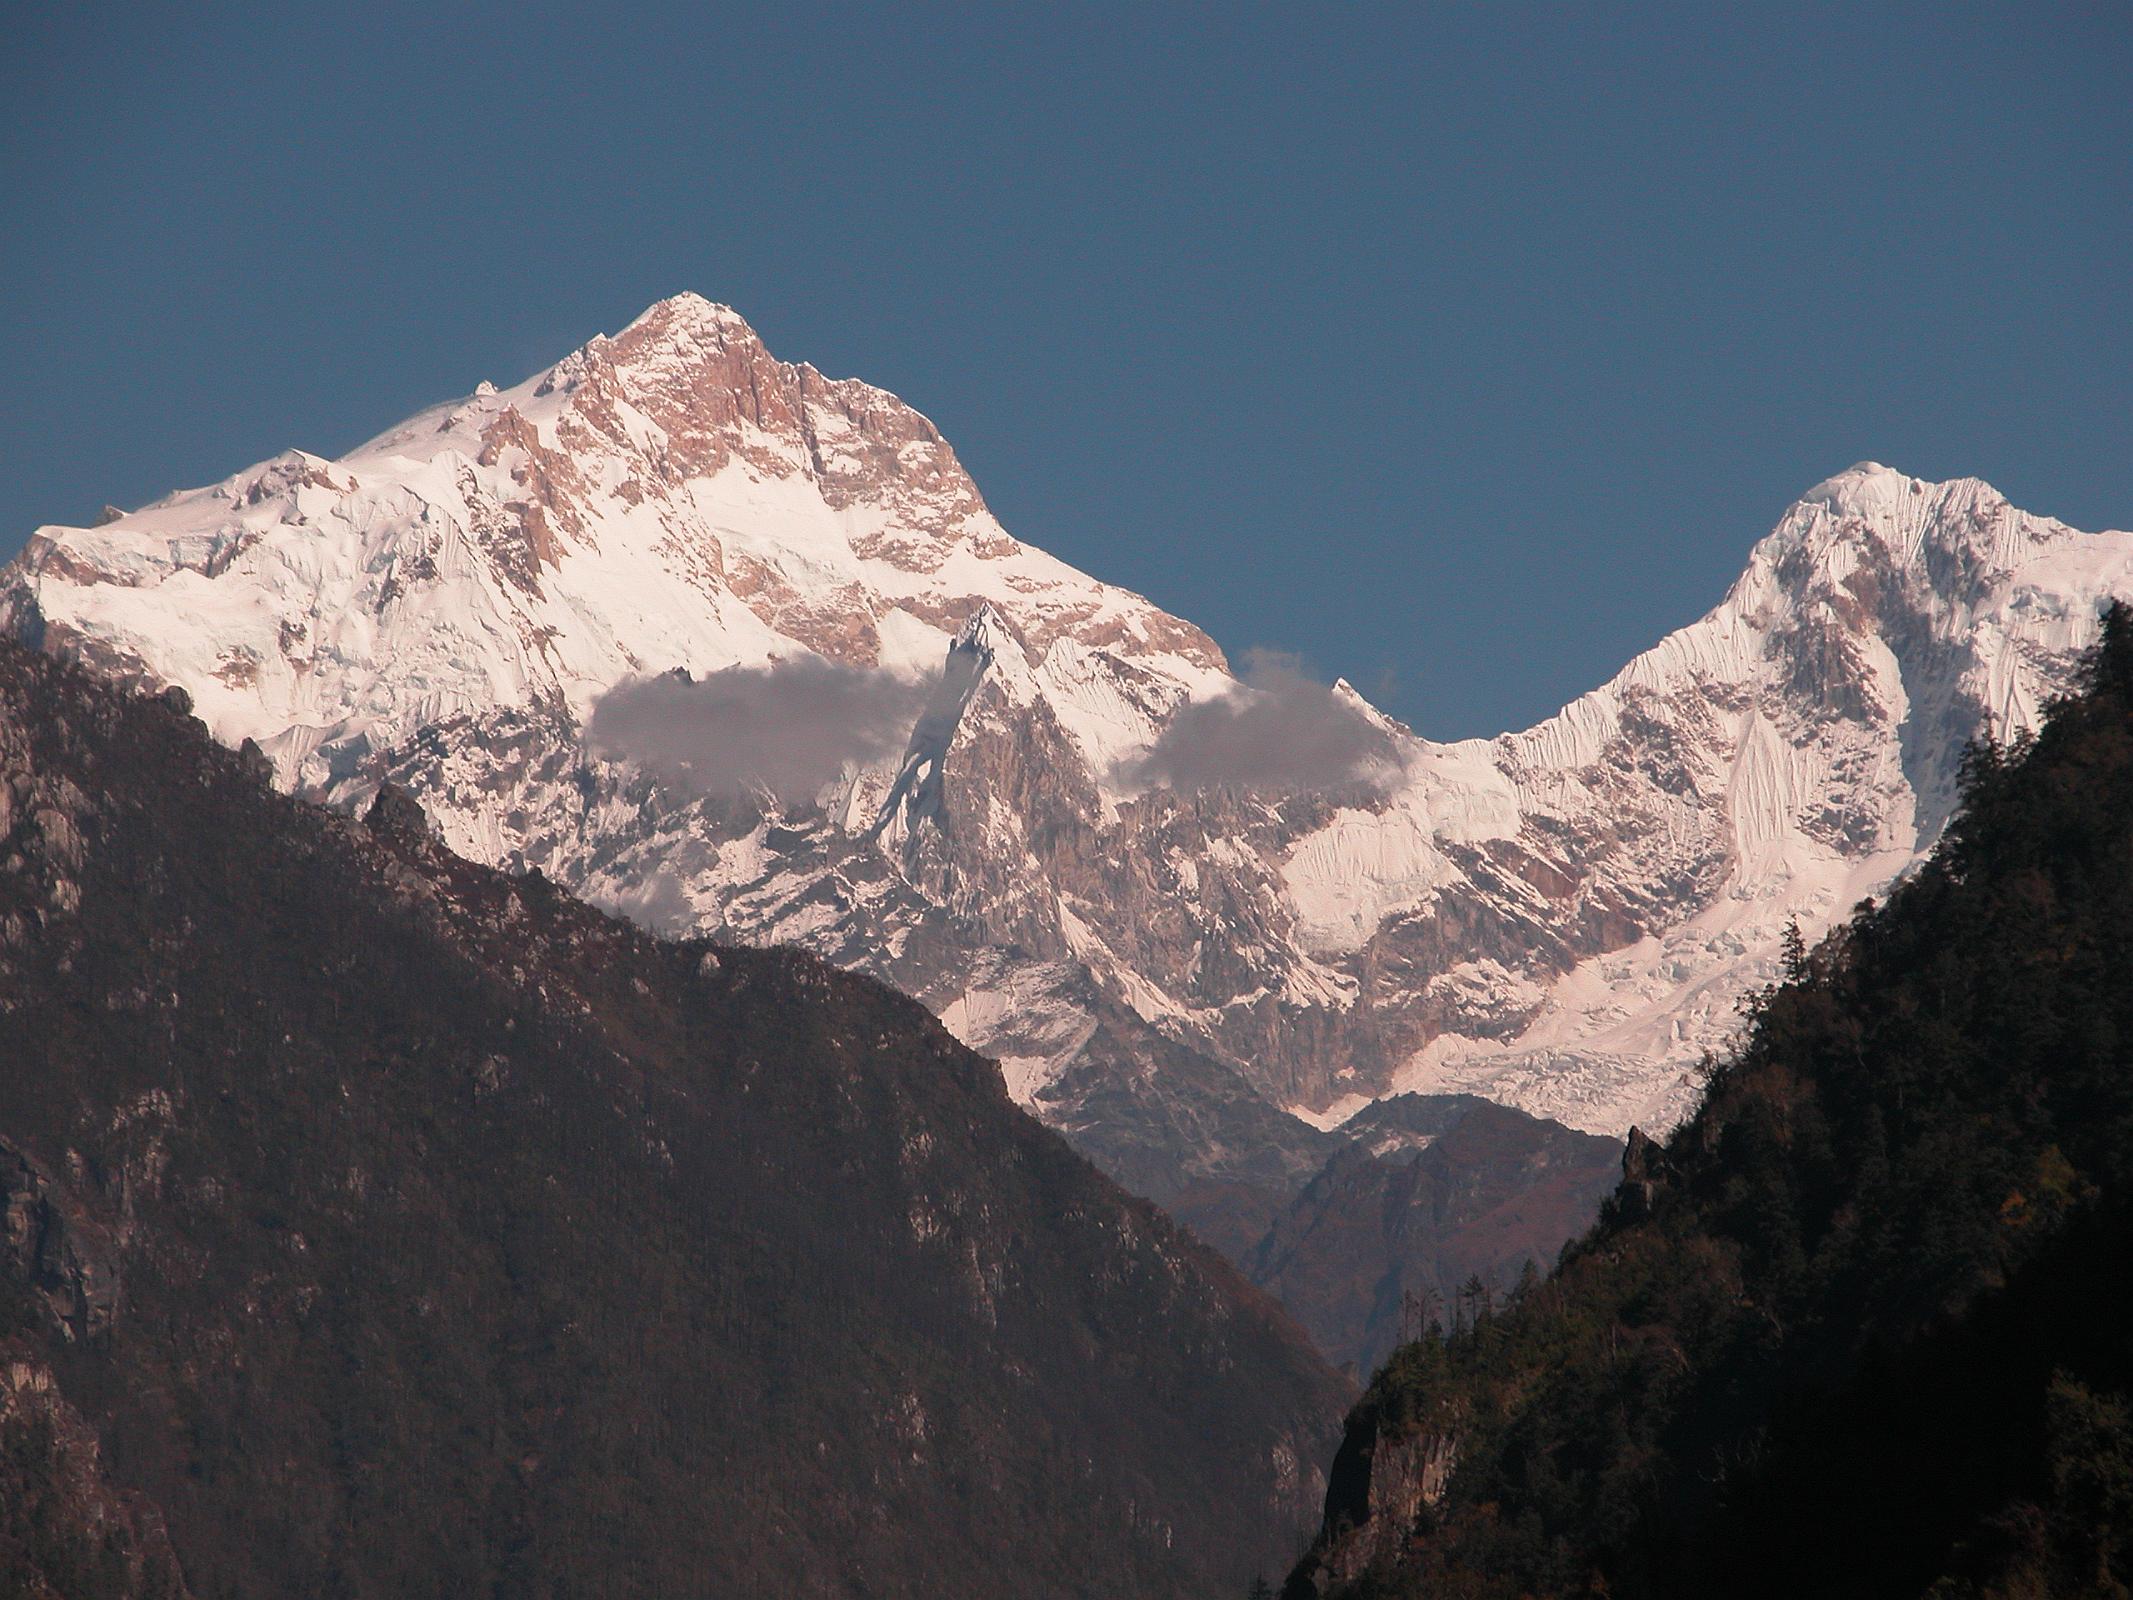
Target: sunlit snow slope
[[1561, 919]]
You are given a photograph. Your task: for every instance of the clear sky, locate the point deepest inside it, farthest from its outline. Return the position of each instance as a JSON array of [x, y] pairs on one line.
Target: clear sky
[[1463, 350]]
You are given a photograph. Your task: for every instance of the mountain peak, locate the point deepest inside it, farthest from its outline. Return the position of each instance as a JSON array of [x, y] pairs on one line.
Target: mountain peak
[[685, 314], [1870, 491], [1560, 918], [687, 339], [1861, 487]]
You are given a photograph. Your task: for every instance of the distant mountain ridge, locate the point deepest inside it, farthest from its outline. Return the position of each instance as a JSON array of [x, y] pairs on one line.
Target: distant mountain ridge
[[1561, 920]]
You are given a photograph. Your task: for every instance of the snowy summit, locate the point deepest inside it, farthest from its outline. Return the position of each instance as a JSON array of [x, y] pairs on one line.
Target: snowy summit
[[1561, 918]]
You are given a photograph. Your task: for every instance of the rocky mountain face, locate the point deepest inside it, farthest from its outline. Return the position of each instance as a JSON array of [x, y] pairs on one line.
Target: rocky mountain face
[[375, 1222], [1193, 979], [1430, 1195]]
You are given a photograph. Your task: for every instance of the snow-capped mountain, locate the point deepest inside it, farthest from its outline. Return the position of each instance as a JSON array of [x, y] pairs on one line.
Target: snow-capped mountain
[[1561, 919]]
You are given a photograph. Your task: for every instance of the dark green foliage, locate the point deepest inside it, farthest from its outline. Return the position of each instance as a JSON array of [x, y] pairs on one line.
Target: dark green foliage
[[473, 1243], [1853, 1329]]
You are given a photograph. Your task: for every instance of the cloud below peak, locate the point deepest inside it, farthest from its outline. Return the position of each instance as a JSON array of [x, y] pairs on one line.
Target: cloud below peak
[[788, 727], [1283, 732]]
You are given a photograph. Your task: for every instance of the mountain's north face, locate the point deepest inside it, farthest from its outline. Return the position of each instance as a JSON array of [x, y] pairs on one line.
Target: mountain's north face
[[1561, 920]]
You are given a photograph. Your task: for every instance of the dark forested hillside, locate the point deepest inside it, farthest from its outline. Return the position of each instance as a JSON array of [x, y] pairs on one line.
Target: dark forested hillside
[[1855, 1328], [378, 1225]]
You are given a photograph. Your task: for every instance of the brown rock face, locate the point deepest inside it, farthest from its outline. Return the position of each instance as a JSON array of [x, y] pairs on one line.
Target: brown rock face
[[1428, 1194], [1382, 1480], [53, 1244], [701, 375]]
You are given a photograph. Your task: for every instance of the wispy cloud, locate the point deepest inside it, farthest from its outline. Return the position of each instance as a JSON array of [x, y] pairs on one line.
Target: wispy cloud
[[1283, 732], [788, 727]]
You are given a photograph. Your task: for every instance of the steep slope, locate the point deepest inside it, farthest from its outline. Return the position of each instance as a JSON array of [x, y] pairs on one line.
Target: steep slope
[[1774, 762], [1431, 1194], [66, 1533], [1849, 1332], [446, 605], [1561, 920], [393, 1226]]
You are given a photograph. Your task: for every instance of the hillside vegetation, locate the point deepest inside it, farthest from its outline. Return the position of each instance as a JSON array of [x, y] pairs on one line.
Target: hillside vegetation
[[1854, 1328]]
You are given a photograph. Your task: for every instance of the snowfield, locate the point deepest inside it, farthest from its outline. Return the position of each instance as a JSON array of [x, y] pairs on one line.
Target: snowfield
[[1562, 919]]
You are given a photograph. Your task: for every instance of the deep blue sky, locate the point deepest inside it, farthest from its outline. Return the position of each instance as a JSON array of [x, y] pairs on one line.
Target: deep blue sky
[[1463, 351]]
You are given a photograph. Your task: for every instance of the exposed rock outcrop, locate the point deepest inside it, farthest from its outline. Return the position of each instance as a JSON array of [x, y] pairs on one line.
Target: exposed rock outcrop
[[52, 1244], [1382, 1480]]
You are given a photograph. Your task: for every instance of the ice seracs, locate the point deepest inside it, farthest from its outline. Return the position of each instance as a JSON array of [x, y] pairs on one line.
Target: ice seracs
[[1562, 918]]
